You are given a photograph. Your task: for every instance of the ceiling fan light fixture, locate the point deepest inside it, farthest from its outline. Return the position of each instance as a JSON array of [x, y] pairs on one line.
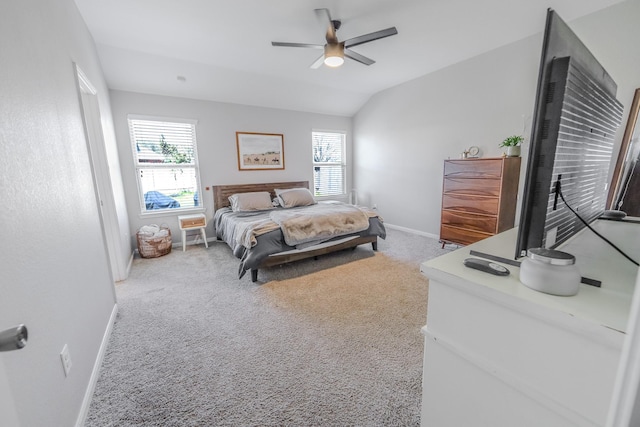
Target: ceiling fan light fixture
[[333, 55]]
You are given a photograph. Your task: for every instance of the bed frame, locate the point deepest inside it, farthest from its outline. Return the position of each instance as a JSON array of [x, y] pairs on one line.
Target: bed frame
[[221, 195]]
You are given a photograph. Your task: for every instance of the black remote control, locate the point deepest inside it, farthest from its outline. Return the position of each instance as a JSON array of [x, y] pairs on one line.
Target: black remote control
[[486, 266]]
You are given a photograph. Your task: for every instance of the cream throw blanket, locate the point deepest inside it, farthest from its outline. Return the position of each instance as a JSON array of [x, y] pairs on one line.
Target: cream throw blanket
[[320, 222]]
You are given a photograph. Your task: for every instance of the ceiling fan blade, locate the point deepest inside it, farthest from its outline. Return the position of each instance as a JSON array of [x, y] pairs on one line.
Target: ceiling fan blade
[[357, 57], [318, 62], [286, 44], [324, 15], [366, 38]]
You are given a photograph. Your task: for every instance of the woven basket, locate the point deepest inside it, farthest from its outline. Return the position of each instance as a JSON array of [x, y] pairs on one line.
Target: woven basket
[[153, 247]]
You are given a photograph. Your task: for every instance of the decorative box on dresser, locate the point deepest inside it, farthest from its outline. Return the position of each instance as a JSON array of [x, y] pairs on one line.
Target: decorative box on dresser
[[479, 198]]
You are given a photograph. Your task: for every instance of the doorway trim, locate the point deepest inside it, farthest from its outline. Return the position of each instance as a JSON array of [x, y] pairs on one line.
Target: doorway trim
[[91, 118]]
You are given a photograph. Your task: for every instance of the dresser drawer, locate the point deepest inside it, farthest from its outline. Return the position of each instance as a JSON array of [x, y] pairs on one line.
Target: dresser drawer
[[477, 168], [460, 236], [471, 204], [478, 187], [470, 221], [192, 221]]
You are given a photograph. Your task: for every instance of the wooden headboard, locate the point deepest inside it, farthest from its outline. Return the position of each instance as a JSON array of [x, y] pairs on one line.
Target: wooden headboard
[[221, 193]]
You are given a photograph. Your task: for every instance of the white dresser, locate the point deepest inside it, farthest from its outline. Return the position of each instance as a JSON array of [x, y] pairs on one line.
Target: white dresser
[[500, 354]]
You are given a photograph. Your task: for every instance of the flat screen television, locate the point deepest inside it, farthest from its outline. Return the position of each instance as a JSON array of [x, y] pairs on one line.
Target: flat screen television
[[575, 120]]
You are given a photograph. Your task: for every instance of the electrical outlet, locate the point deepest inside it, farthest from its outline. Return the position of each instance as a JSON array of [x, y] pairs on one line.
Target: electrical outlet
[[375, 206], [66, 360]]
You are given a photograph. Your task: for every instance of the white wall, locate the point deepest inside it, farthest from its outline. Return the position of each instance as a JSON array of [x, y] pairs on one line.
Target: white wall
[[612, 36], [407, 131], [55, 273], [216, 135]]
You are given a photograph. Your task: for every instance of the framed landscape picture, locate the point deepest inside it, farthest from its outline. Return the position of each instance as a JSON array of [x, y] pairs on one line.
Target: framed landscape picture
[[260, 151]]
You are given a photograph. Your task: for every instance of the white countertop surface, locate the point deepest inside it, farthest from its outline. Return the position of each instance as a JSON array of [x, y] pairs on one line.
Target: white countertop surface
[[606, 306]]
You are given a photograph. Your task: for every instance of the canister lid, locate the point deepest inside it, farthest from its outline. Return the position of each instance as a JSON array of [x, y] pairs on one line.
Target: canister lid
[[551, 256]]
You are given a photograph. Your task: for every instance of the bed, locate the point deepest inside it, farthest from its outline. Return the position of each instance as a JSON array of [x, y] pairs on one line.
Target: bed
[[263, 237]]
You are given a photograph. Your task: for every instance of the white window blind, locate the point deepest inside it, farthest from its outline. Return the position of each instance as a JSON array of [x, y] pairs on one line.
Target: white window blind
[[165, 156], [329, 163]]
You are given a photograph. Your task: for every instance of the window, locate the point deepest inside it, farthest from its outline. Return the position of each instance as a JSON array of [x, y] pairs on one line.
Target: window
[[165, 157], [329, 165]]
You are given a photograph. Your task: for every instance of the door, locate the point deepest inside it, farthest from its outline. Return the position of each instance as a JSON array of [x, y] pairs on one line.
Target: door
[[624, 194], [100, 172], [629, 199]]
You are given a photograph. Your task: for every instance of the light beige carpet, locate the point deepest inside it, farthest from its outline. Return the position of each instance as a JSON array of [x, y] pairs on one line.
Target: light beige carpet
[[330, 342]]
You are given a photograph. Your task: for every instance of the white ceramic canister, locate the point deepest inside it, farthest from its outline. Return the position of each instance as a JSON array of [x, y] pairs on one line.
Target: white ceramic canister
[[550, 271]]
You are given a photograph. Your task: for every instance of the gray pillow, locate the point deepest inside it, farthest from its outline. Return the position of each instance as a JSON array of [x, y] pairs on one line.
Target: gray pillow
[[257, 201], [294, 197]]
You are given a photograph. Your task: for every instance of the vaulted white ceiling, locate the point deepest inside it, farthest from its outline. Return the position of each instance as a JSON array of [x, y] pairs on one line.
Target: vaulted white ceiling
[[221, 50]]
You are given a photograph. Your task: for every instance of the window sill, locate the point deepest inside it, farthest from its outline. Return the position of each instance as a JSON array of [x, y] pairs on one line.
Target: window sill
[[170, 213]]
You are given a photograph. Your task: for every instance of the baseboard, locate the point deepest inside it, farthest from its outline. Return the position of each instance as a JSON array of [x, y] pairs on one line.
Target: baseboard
[[130, 263], [412, 231], [86, 402]]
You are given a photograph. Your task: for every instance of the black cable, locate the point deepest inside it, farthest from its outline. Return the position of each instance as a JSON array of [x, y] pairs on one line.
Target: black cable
[[559, 192]]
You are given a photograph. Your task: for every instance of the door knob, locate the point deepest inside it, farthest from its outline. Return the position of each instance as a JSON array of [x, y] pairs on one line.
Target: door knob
[[13, 338]]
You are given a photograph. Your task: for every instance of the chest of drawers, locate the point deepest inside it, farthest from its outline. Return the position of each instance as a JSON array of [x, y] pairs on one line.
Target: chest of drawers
[[479, 198]]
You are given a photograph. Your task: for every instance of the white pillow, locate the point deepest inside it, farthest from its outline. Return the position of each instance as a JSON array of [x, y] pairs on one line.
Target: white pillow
[[293, 197], [257, 201]]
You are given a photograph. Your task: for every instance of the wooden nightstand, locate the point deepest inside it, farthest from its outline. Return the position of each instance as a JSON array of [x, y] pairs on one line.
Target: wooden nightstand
[[192, 222]]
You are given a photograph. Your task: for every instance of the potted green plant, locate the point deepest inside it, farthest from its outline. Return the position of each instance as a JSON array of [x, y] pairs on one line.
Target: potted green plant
[[512, 144]]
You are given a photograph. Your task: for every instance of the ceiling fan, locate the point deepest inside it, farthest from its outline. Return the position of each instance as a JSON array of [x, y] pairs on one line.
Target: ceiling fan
[[334, 50]]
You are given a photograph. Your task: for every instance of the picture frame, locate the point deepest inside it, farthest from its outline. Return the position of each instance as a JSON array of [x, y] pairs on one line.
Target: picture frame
[[260, 151]]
